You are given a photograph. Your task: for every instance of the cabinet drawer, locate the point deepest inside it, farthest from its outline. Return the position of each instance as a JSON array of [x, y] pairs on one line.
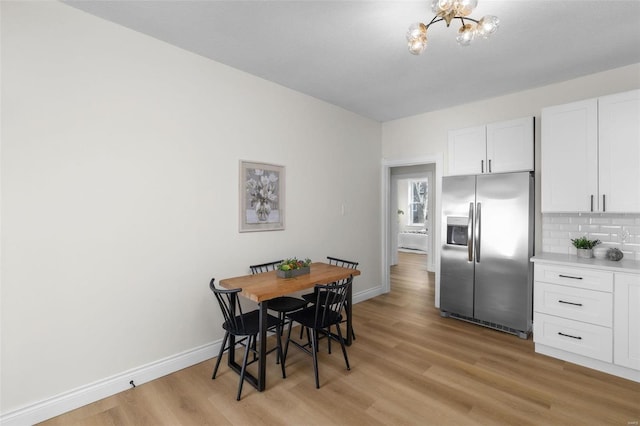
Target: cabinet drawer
[[590, 279], [595, 307], [589, 340]]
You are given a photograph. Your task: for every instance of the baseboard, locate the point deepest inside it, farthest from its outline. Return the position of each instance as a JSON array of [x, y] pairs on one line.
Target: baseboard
[[606, 367], [75, 398], [83, 395], [361, 296]]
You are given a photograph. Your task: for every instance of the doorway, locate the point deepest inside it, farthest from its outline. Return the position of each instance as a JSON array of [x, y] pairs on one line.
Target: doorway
[[390, 173], [412, 199]]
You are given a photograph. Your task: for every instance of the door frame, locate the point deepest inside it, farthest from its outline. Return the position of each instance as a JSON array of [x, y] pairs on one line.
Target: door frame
[[387, 217]]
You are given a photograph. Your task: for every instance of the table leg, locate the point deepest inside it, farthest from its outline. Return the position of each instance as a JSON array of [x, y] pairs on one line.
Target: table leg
[[262, 349], [348, 306], [260, 381]]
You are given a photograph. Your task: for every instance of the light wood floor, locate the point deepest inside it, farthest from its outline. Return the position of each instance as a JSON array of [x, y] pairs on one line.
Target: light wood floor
[[409, 367]]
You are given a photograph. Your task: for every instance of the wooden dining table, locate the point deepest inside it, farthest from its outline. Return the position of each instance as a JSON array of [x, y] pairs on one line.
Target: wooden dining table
[[262, 287]]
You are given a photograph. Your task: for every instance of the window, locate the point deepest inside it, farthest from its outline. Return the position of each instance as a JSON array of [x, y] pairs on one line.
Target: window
[[418, 190]]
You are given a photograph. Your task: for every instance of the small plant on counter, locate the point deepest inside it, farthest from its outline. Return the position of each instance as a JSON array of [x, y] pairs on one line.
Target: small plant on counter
[[584, 243], [293, 264]]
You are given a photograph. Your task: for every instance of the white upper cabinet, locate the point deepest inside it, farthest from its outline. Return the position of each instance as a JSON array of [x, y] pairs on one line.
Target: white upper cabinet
[[467, 151], [569, 156], [619, 152], [501, 147], [591, 155], [510, 146]]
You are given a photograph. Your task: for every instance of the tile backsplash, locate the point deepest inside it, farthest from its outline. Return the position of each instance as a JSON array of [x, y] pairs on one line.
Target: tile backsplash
[[614, 230]]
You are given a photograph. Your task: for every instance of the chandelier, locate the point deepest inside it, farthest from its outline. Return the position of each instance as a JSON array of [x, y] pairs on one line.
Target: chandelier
[[447, 11]]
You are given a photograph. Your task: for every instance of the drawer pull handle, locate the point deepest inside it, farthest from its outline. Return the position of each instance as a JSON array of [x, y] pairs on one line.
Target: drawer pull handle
[[569, 276], [568, 335], [569, 303]]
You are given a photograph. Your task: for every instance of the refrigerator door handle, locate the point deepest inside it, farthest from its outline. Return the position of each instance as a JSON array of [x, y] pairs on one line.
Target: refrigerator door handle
[[470, 234], [478, 231]]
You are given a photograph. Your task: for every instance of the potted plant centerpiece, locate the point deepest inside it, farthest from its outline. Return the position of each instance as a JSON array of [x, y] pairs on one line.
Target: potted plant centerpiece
[[584, 246], [293, 267]]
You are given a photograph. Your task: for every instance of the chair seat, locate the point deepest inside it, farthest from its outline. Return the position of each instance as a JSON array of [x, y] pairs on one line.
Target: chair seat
[[307, 317], [251, 324], [286, 304]]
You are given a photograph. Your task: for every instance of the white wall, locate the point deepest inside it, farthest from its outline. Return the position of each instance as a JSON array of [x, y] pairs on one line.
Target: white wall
[[120, 195], [426, 134]]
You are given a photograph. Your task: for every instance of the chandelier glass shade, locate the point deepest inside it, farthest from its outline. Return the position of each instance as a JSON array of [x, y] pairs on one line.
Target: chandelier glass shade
[[447, 11]]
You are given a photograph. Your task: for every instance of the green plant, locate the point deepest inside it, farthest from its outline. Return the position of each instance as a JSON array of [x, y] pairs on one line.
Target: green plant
[[294, 263], [584, 243]]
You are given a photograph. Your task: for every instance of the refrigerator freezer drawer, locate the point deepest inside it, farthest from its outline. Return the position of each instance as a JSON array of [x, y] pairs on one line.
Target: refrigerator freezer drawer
[[594, 307], [589, 340], [574, 277]]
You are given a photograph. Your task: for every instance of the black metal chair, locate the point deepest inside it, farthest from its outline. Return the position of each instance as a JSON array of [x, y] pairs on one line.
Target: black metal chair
[[310, 297], [319, 318], [245, 326], [284, 304]]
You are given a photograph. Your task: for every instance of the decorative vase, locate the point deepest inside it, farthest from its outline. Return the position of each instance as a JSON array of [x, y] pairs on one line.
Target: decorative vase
[[262, 211], [614, 254], [585, 253], [262, 215], [293, 272]]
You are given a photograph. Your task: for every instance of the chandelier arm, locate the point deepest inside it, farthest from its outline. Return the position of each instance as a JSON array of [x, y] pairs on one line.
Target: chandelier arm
[[434, 20], [462, 18]]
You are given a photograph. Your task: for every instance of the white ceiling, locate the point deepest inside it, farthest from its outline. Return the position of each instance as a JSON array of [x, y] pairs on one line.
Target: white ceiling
[[354, 53]]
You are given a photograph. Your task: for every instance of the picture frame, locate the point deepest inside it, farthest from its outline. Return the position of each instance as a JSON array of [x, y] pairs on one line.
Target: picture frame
[[262, 197]]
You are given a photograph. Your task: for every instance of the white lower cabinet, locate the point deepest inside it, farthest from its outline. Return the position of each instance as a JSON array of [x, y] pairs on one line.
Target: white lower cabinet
[[588, 316], [626, 335]]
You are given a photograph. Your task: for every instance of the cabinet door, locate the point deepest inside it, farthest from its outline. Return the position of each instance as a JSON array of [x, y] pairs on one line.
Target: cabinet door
[[626, 320], [510, 146], [569, 160], [467, 151], [619, 152]]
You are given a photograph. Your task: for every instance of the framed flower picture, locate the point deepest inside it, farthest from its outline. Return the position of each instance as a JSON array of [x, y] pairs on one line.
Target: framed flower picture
[[261, 197]]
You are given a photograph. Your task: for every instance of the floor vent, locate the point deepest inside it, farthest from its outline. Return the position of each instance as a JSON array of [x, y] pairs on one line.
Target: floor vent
[[521, 334]]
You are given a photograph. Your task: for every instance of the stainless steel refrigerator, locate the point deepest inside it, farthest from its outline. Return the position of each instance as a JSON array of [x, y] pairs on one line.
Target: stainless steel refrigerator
[[487, 241]]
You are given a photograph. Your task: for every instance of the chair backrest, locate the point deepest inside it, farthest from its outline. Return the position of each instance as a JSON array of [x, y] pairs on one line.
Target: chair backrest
[[265, 267], [330, 300], [230, 307], [342, 263]]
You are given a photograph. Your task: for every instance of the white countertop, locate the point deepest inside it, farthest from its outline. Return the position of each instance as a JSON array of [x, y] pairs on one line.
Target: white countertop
[[624, 265]]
